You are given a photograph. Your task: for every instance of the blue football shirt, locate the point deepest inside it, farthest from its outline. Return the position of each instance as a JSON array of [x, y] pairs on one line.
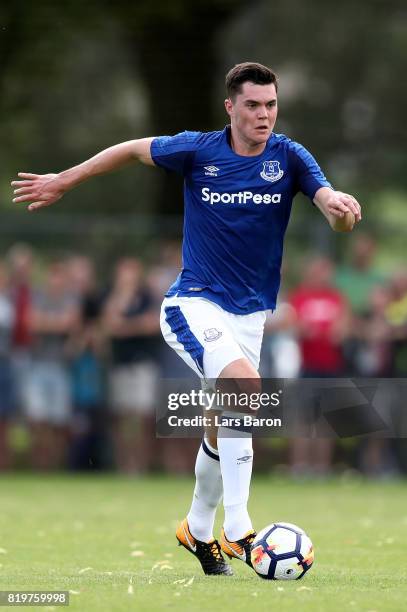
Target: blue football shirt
[[236, 213]]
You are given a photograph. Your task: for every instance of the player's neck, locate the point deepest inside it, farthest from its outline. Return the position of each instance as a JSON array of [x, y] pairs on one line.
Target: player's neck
[[244, 148]]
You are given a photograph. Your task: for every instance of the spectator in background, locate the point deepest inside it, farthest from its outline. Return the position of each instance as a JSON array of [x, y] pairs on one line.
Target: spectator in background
[[130, 319], [167, 267], [87, 351], [373, 351], [86, 348], [373, 359], [322, 324], [53, 317], [7, 381], [396, 315], [322, 320], [357, 279], [20, 263], [83, 284], [281, 356]]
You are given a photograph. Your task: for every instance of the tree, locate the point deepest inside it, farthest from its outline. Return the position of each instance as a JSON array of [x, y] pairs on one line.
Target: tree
[[172, 44], [169, 44]]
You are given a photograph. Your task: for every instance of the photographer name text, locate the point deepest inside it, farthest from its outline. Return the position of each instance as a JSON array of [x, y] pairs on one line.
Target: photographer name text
[[223, 421]]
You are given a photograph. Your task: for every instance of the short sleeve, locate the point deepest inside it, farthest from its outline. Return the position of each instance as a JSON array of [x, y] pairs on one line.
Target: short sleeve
[[175, 152], [308, 175]]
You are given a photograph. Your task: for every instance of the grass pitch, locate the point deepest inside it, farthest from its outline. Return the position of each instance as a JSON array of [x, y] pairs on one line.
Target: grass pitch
[[110, 542]]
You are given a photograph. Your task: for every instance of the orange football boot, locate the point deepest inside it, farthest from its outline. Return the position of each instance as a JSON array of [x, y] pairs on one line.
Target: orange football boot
[[208, 553], [240, 549]]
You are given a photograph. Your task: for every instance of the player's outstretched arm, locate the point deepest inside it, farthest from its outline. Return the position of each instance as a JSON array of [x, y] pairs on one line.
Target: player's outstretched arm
[[45, 189], [341, 209]]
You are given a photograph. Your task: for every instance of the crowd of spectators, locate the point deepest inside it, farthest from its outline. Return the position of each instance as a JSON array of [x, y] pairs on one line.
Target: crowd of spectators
[[81, 357]]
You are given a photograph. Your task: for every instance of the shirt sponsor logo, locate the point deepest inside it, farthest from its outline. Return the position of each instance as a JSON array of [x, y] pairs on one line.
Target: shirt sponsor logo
[[240, 197], [211, 171], [271, 171]]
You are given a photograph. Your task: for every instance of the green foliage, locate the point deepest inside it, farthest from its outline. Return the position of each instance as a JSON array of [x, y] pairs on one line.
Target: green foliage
[[342, 90], [77, 77]]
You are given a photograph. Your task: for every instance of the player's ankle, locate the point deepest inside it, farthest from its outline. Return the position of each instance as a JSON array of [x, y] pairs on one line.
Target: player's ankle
[[199, 531], [237, 522]]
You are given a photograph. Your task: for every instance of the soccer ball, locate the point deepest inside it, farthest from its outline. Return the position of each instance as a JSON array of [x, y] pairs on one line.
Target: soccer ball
[[282, 551]]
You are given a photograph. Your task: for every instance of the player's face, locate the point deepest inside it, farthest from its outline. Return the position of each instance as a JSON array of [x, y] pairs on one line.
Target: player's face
[[253, 113]]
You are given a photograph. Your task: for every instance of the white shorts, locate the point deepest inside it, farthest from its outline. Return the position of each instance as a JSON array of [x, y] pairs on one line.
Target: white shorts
[[133, 388], [207, 337], [48, 393]]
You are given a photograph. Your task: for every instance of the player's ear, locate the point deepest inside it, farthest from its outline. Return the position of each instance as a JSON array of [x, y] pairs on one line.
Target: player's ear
[[229, 106]]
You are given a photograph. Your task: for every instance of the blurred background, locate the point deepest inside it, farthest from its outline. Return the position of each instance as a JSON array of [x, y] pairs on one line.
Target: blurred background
[[81, 283]]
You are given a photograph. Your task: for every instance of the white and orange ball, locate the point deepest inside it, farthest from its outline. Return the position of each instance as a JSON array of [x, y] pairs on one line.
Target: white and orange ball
[[282, 551]]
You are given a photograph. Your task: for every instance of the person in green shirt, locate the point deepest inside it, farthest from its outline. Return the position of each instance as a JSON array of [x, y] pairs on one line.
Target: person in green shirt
[[358, 278]]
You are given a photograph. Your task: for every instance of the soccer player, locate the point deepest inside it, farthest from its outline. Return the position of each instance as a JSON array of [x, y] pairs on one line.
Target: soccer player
[[239, 187]]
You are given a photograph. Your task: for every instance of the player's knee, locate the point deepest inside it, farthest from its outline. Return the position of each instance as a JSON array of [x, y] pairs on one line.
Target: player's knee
[[240, 378], [240, 370], [241, 384], [248, 386]]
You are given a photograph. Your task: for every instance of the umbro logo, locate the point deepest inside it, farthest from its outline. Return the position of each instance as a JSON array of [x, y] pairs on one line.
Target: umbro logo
[[244, 459], [211, 171]]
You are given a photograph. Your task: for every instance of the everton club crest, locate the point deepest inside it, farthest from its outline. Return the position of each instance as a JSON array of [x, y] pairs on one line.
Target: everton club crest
[[271, 171], [212, 334]]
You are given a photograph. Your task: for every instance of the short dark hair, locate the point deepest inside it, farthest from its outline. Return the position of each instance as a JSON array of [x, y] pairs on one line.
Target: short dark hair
[[248, 72]]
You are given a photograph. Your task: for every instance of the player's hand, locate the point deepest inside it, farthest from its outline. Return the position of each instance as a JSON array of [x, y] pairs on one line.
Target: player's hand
[[339, 203], [38, 189]]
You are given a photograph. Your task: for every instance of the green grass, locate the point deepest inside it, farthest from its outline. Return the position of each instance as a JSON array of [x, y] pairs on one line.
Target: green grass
[[78, 533]]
